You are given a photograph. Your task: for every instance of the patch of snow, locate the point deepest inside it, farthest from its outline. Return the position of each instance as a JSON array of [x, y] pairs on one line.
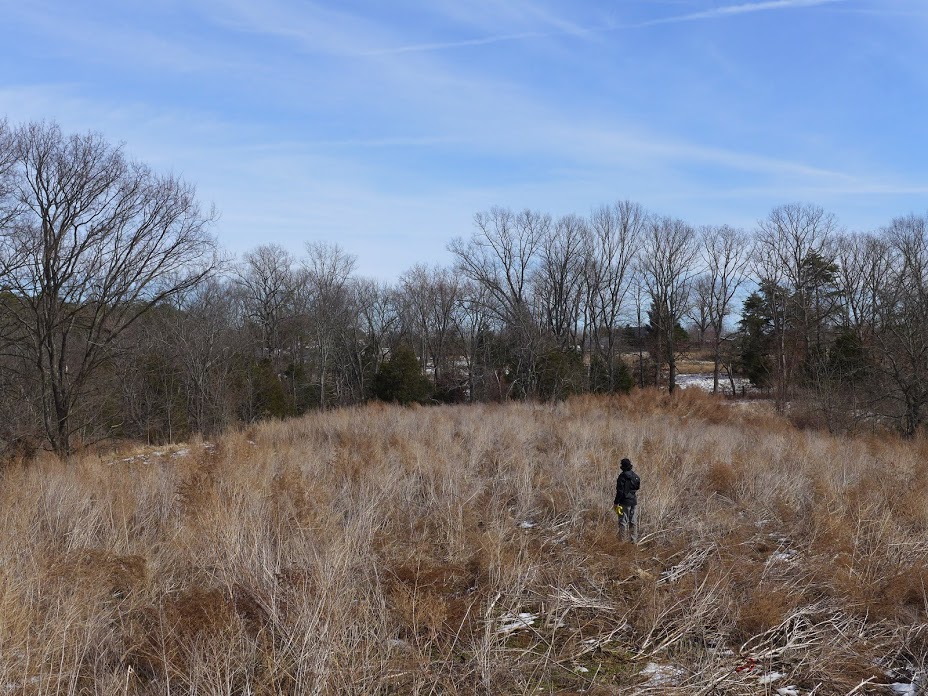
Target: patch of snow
[[526, 524], [906, 678], [11, 687], [129, 460], [783, 556], [510, 623], [581, 669], [663, 675], [181, 452], [704, 382], [770, 678], [788, 691], [208, 445]]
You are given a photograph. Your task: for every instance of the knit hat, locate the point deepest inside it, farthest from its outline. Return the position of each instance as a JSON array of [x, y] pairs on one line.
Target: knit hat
[[626, 464]]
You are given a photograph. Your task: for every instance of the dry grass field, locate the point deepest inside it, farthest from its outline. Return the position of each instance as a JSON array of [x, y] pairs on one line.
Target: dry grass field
[[473, 550]]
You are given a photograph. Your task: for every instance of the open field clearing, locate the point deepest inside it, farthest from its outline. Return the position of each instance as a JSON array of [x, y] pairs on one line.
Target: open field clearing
[[696, 367], [473, 550]]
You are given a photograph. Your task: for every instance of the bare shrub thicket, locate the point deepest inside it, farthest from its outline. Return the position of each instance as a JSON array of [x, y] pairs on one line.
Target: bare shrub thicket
[[471, 550]]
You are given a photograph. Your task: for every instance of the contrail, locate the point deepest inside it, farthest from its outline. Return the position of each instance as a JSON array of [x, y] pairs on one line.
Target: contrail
[[464, 43], [715, 13], [744, 8]]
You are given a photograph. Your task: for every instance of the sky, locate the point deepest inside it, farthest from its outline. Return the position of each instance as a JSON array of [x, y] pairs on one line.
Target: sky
[[384, 126]]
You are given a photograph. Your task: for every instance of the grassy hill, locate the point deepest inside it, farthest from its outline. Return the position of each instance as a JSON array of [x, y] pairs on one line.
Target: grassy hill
[[473, 549]]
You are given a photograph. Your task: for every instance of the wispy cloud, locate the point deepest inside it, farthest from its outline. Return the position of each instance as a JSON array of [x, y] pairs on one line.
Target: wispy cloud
[[380, 129], [733, 10], [463, 43], [574, 30], [401, 141]]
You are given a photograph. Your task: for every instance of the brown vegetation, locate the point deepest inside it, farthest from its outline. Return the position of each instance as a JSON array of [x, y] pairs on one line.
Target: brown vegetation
[[471, 549]]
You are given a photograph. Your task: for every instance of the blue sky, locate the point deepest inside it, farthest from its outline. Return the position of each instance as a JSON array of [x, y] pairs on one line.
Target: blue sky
[[384, 126]]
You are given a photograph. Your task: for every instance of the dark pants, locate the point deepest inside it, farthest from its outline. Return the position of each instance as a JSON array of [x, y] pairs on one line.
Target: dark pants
[[628, 523]]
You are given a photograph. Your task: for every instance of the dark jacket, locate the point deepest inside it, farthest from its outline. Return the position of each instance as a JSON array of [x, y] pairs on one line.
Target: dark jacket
[[625, 487]]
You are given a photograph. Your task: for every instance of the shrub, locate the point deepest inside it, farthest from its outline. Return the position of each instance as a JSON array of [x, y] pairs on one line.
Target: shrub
[[602, 381], [400, 379]]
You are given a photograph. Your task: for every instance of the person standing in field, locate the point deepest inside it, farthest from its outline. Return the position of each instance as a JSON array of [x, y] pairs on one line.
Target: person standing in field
[[626, 502]]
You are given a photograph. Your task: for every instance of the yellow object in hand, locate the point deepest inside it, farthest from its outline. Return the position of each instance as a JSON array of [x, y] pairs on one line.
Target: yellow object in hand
[[618, 510]]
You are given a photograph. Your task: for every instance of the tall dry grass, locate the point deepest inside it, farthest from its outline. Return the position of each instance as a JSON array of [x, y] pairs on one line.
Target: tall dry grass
[[392, 551]]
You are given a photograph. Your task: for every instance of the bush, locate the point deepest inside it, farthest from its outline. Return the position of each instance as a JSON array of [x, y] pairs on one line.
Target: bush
[[602, 382], [400, 379], [560, 374], [269, 397]]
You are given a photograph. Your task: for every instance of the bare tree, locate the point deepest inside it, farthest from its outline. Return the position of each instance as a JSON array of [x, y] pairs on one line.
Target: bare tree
[[559, 280], [328, 272], [429, 297], [639, 293], [10, 206], [700, 303], [612, 245], [864, 262], [475, 325], [268, 284], [726, 254], [95, 242], [668, 266], [201, 341], [365, 337], [902, 319], [502, 256], [793, 257]]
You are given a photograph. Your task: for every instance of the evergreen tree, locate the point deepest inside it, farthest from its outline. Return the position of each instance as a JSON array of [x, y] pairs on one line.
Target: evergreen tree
[[400, 378], [755, 341]]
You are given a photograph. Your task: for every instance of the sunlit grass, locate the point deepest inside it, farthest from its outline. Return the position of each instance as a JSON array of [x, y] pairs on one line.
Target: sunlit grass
[[389, 550]]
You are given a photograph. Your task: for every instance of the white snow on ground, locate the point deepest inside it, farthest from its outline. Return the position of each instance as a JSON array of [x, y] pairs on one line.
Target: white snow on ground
[[663, 675], [704, 382], [788, 691], [905, 687], [11, 687], [146, 457], [510, 623], [769, 678], [783, 556], [526, 524]]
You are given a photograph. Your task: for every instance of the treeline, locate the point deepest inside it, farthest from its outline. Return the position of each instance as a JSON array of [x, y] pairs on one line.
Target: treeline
[[120, 316]]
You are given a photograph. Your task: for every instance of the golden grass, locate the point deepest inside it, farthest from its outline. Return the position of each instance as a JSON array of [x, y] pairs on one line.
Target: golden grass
[[695, 366], [384, 550]]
